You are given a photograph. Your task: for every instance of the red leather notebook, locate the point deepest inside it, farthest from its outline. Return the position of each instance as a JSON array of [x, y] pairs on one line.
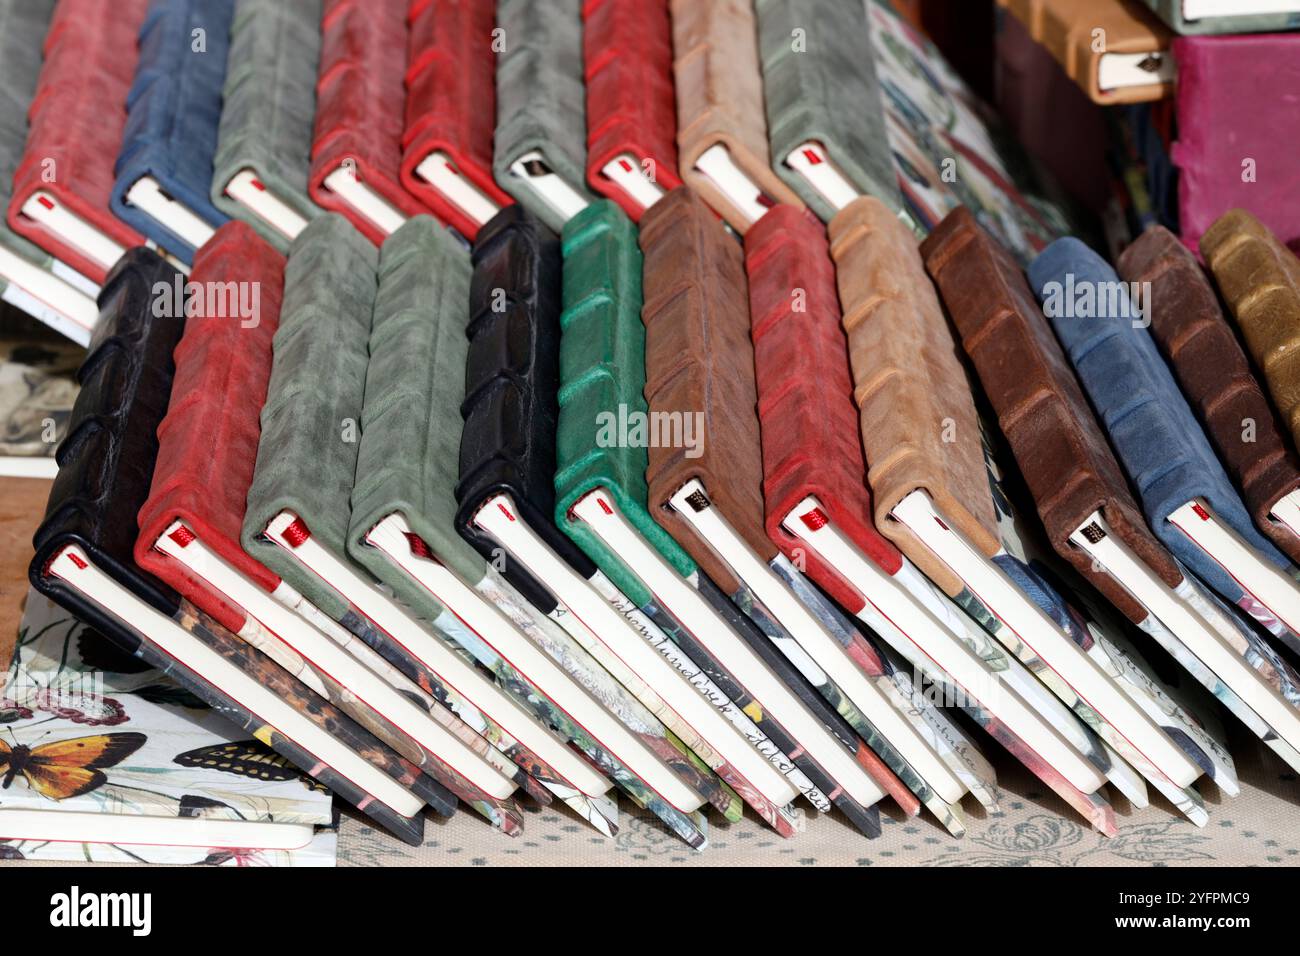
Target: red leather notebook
[[356, 152], [451, 110], [64, 182], [627, 48], [810, 436], [207, 443]]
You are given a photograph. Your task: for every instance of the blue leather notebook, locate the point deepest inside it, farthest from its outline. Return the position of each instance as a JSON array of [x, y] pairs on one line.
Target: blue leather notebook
[[164, 171], [1186, 495]]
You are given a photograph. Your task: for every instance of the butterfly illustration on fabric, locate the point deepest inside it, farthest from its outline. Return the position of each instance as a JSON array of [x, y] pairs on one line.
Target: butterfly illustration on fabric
[[244, 758], [66, 768]]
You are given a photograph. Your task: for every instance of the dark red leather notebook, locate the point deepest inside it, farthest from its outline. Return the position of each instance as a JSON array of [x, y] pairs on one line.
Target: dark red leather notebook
[[360, 107], [207, 443], [810, 436], [627, 48], [451, 102], [75, 126]]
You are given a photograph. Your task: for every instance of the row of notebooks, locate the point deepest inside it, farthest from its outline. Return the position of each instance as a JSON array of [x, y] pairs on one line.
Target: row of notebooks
[[709, 524], [1228, 71], [130, 122]]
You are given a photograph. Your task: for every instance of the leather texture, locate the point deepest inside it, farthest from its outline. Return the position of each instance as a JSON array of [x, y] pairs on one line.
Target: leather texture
[[826, 91], [720, 99], [1154, 433], [1068, 29], [910, 387], [1237, 129], [512, 380], [75, 124], [540, 98], [268, 105], [173, 111], [23, 25], [1188, 325], [700, 366], [1058, 445], [207, 443], [411, 433], [1260, 280], [451, 101], [627, 48], [1171, 11], [314, 400], [602, 377], [811, 441], [360, 103]]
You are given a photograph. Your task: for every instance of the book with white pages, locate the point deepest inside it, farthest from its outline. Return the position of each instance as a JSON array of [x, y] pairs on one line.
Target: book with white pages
[[634, 177], [716, 165], [45, 209], [1287, 511], [561, 199], [811, 161], [51, 291], [150, 196], [252, 193], [345, 183], [438, 170]]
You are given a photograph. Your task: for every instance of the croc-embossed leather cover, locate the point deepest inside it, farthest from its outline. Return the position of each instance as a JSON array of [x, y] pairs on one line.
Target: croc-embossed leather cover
[[811, 440], [512, 380], [76, 121], [1189, 326], [909, 385], [700, 362], [173, 111], [1059, 447]]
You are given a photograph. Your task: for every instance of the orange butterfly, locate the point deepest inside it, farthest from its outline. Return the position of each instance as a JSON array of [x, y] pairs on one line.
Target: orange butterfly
[[66, 768]]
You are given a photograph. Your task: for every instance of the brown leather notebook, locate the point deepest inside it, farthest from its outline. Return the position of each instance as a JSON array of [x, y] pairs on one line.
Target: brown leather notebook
[[720, 104], [1065, 459], [919, 426], [700, 369], [1189, 326], [1260, 280], [1117, 51]]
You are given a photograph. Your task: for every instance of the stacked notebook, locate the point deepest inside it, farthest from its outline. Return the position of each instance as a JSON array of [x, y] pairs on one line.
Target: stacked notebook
[[1227, 16]]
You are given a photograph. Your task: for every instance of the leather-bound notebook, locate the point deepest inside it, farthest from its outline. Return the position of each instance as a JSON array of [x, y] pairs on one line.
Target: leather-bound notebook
[[1237, 122], [721, 132], [1116, 50], [164, 170], [1206, 358], [1205, 17], [1068, 466], [263, 156], [506, 494], [705, 489], [190, 525], [63, 185], [451, 112], [30, 278], [84, 562], [627, 49], [540, 144], [825, 117], [356, 150]]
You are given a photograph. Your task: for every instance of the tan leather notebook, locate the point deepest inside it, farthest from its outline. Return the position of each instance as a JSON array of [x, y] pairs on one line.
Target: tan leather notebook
[[1118, 51], [918, 420]]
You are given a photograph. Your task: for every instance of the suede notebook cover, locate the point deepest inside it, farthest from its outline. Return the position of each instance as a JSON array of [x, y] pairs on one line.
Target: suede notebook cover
[[825, 91], [1237, 128], [1155, 435], [1062, 453], [451, 101], [811, 441], [268, 104], [512, 379], [909, 385], [1260, 280], [720, 99], [360, 104], [700, 362], [75, 125], [106, 470], [627, 48], [173, 111], [207, 443], [1069, 29], [305, 464], [1174, 13], [540, 98], [1189, 326]]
